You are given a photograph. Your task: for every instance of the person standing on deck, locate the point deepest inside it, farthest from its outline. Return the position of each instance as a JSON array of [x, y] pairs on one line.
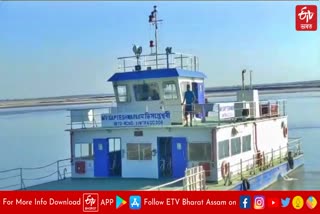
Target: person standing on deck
[[190, 99]]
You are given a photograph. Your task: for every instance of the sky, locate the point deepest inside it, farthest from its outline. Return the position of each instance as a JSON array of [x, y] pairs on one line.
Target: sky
[[71, 48]]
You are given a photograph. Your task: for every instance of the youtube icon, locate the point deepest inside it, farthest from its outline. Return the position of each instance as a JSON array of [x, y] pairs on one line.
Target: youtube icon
[[273, 202]]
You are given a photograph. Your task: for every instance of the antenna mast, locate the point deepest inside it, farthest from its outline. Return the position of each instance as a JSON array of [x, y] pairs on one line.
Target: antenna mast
[[154, 21]]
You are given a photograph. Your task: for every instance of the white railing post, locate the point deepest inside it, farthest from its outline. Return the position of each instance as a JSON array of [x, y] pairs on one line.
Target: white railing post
[[254, 165], [194, 179], [241, 168], [280, 153], [269, 108], [271, 156], [218, 114]]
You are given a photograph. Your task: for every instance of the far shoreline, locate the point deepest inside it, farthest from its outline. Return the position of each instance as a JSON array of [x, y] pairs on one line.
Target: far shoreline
[[76, 100]]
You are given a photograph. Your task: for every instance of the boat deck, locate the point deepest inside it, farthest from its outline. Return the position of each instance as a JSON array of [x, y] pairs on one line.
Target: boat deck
[[103, 184], [261, 180], [116, 184], [210, 122], [197, 123]]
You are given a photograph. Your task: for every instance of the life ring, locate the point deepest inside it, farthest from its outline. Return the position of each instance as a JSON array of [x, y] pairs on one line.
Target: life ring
[[284, 129], [245, 184], [224, 169]]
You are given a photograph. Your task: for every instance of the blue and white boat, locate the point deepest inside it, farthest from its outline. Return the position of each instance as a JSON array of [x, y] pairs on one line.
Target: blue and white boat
[[141, 141], [144, 135]]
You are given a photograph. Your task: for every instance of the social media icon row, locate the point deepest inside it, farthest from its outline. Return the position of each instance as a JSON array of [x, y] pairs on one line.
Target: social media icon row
[[259, 202]]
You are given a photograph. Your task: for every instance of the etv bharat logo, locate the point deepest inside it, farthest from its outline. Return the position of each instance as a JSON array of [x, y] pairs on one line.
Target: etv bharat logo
[[306, 17], [90, 202]]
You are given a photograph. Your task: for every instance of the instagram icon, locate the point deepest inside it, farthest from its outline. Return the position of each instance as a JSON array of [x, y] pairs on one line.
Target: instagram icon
[[258, 202]]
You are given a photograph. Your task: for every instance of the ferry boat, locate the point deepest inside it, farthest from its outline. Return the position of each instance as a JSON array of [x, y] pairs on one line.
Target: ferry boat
[[242, 144], [146, 139]]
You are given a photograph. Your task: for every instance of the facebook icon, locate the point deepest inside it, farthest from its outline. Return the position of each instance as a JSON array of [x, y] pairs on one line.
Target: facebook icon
[[245, 202]]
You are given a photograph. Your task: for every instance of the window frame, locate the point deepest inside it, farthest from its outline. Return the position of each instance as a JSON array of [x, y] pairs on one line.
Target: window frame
[[127, 96], [239, 142], [140, 156], [164, 84], [219, 147], [115, 140], [207, 152], [242, 143], [78, 147], [151, 86]]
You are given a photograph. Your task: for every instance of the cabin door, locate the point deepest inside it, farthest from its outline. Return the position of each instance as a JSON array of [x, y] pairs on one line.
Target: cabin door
[[165, 157], [179, 156], [101, 157], [198, 90], [200, 93]]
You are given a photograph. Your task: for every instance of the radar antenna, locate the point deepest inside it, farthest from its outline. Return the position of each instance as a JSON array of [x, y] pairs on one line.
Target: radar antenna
[[153, 19]]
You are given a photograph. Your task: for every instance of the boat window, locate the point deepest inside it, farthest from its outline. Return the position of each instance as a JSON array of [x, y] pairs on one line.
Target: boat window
[[235, 146], [199, 151], [246, 143], [122, 93], [114, 144], [83, 150], [147, 91], [139, 151], [170, 91], [224, 149]]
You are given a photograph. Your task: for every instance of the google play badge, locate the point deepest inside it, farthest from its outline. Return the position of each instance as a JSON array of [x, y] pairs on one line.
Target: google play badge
[[120, 202], [311, 202]]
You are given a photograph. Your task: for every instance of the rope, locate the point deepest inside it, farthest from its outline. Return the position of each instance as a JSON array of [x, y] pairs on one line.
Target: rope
[[6, 187], [9, 170], [62, 166], [39, 178], [41, 167], [13, 176]]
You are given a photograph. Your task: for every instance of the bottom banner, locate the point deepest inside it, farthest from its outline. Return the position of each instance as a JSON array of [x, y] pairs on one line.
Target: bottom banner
[[159, 201]]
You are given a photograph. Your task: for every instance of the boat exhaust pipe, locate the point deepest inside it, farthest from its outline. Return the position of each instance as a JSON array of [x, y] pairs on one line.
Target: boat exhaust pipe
[[250, 79], [243, 71]]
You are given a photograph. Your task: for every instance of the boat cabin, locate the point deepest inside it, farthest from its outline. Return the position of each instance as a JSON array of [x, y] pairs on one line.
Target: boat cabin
[[150, 90]]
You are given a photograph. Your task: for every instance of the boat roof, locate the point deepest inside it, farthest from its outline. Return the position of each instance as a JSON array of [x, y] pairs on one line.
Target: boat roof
[[154, 74]]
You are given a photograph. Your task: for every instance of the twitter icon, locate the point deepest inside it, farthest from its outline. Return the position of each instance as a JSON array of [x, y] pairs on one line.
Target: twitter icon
[[285, 202]]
